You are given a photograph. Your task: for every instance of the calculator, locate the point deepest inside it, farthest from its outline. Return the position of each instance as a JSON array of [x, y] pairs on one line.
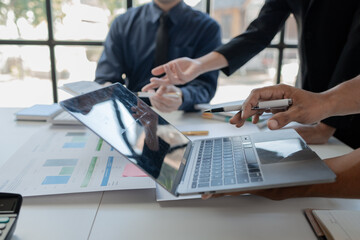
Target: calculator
[[10, 204]]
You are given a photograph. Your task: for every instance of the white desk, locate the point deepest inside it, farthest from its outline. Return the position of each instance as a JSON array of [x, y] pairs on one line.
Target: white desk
[[136, 214]]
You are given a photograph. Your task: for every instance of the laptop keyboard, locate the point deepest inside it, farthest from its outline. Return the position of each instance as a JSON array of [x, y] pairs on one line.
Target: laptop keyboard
[[226, 161]]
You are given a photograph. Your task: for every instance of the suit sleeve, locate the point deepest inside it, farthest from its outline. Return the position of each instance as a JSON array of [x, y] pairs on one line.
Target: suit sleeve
[[347, 68], [257, 36], [109, 68], [202, 89]]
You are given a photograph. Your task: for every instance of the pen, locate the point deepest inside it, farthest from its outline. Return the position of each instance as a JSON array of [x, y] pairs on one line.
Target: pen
[[273, 104], [195, 133], [150, 94], [215, 116]]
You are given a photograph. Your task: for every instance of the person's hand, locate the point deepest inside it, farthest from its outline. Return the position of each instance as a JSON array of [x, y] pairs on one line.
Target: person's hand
[[307, 107], [346, 168], [178, 72], [167, 103], [316, 134]]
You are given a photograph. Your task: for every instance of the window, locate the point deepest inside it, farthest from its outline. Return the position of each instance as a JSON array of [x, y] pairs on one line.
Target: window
[[278, 63], [46, 43]]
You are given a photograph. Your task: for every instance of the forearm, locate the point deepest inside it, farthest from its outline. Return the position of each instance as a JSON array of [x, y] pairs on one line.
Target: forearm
[[211, 61], [347, 169], [343, 99]]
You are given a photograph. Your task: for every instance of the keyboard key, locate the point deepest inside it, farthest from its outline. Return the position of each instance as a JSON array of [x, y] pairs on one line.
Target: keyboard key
[[250, 155], [216, 182], [217, 176], [203, 185], [229, 180], [257, 174], [229, 174], [204, 180], [256, 179], [226, 161], [253, 165]]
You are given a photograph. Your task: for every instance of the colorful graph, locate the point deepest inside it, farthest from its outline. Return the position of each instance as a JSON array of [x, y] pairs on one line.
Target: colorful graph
[[66, 166], [77, 140]]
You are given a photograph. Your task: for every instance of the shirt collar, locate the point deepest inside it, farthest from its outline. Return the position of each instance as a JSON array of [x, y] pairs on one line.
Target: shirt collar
[[175, 14]]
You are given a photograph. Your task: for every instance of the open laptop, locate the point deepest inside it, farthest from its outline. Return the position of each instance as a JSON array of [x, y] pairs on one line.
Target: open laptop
[[227, 164]]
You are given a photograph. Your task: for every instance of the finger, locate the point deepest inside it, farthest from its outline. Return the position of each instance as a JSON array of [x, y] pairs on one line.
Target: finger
[[206, 196], [158, 104], [255, 118], [160, 81], [281, 119], [171, 76], [158, 70], [150, 86], [162, 89], [237, 120], [180, 73]]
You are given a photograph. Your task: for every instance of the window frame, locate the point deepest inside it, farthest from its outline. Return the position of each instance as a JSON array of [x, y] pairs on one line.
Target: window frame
[[51, 43]]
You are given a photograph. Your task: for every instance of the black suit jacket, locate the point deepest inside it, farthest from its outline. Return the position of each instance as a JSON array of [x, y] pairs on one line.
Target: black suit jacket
[[329, 48]]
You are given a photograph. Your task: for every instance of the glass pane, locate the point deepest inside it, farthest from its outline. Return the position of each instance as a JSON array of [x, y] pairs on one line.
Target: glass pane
[[24, 19], [290, 66], [75, 64], [84, 19], [137, 3], [258, 72], [234, 16], [23, 81], [291, 34], [197, 4]]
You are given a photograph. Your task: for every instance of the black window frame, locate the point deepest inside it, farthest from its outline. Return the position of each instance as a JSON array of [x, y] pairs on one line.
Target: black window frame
[[51, 43]]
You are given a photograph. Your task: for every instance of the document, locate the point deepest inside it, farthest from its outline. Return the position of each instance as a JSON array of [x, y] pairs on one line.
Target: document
[[58, 160]]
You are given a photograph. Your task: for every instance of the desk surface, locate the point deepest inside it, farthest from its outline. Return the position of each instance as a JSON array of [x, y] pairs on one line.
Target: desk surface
[[136, 214]]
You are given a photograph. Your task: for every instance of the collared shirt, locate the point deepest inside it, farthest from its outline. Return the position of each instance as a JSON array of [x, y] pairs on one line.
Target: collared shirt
[[129, 49]]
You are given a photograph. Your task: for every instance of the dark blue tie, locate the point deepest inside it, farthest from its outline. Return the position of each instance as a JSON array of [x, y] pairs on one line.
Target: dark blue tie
[[162, 41]]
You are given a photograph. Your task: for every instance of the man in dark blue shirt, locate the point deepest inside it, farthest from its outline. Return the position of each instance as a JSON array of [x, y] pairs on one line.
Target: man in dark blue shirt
[[129, 51]]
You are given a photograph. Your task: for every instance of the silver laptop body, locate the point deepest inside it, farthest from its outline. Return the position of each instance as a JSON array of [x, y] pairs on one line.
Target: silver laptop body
[[227, 164]]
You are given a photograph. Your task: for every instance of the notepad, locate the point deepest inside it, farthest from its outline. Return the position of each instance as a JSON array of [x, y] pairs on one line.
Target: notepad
[[81, 87], [337, 224], [39, 112]]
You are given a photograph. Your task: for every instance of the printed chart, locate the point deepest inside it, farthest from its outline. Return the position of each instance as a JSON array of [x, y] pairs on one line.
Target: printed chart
[[60, 160]]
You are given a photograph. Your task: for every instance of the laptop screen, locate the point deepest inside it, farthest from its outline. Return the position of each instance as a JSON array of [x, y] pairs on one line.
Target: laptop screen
[[134, 130]]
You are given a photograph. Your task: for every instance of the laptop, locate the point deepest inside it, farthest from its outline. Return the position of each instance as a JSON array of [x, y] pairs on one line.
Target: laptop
[[181, 166]]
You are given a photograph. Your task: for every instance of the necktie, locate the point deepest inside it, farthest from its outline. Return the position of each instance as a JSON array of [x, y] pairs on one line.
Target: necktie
[[162, 41]]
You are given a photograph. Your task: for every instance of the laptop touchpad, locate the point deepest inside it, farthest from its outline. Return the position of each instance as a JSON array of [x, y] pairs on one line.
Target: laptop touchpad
[[278, 151]]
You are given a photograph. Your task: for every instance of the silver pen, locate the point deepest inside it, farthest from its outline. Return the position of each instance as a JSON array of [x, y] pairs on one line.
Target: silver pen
[[266, 105]]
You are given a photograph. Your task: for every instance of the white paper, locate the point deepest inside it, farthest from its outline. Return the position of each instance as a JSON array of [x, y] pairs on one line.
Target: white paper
[[59, 160]]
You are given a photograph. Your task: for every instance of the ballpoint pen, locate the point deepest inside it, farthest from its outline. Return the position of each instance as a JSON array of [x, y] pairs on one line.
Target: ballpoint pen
[[150, 94], [266, 105]]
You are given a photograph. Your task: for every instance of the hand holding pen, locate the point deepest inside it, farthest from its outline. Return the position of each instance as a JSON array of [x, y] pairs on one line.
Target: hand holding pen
[[265, 106], [306, 106]]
